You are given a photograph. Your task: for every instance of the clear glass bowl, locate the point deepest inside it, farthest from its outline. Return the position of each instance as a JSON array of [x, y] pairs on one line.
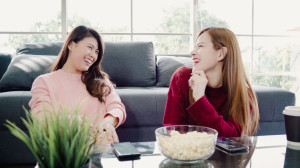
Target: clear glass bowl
[[186, 143]]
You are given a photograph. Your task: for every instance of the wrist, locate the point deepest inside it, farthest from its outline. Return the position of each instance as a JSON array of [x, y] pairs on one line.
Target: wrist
[[112, 120], [198, 97]]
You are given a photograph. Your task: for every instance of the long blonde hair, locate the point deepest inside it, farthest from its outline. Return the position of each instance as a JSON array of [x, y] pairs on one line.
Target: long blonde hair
[[241, 97]]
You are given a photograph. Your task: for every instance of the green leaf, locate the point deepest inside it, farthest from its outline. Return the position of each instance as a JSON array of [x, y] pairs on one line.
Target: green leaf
[[57, 138]]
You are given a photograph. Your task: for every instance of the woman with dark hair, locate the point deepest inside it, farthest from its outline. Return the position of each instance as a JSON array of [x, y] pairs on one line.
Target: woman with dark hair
[[216, 92], [77, 81]]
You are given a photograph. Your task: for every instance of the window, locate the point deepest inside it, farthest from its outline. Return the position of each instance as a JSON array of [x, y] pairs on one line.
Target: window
[[269, 41], [31, 24], [137, 20], [281, 18], [111, 16], [233, 14]]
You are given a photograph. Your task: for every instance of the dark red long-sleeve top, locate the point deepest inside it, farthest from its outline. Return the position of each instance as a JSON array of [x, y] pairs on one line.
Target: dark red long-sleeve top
[[207, 111]]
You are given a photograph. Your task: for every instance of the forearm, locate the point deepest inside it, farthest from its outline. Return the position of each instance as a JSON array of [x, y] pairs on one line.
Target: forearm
[[174, 112], [115, 108], [112, 120], [205, 114]]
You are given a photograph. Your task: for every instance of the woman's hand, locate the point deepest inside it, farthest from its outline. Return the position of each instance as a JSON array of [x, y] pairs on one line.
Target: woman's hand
[[107, 132], [198, 82]]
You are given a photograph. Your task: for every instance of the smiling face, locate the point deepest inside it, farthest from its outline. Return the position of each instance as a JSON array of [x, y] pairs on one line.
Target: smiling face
[[205, 56], [81, 55]]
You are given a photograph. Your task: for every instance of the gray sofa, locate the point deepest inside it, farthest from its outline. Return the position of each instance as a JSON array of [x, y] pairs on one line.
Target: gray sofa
[[142, 80]]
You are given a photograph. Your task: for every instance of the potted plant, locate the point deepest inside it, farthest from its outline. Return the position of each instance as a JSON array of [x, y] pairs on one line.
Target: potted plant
[[57, 138]]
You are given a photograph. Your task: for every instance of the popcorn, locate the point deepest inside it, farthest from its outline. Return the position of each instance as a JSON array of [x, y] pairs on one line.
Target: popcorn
[[190, 146]]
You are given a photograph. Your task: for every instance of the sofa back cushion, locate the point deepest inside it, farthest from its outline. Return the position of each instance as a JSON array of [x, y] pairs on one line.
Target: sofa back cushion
[[23, 70], [41, 48], [167, 65], [129, 64]]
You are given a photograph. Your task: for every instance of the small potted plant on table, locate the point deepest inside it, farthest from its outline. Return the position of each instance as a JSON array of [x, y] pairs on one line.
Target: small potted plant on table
[[57, 138]]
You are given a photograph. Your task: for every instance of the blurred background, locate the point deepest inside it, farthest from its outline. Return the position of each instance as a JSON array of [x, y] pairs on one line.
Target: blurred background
[[268, 30]]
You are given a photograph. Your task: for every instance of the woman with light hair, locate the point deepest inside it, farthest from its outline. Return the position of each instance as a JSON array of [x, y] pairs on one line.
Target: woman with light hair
[[216, 92]]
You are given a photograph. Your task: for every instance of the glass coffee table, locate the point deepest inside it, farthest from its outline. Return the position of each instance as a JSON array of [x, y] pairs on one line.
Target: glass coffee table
[[264, 151]]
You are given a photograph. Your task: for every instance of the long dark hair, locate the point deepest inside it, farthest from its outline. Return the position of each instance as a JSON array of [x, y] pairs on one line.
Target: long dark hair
[[240, 93], [94, 77]]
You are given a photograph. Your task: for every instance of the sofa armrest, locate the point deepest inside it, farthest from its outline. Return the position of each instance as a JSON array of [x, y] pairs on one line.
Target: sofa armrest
[[271, 103], [5, 60]]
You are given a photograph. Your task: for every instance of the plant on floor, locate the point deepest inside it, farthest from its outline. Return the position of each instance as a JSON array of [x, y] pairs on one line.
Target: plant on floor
[[57, 138]]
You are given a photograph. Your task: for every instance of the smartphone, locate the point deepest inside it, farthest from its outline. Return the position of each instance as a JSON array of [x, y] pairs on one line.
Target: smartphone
[[231, 146], [125, 151]]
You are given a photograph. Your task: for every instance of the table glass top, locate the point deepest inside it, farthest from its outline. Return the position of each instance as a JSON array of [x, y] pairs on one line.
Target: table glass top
[[264, 151]]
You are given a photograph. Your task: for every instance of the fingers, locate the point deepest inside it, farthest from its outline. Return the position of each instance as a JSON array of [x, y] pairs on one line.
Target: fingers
[[107, 134], [198, 82], [201, 73], [191, 82], [103, 138], [196, 76], [112, 134], [115, 137]]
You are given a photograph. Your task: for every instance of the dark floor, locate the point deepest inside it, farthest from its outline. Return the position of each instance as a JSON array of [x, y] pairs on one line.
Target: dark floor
[[18, 166]]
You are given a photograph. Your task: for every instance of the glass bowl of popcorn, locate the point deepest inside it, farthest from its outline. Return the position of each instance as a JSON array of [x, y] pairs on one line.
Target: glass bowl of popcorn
[[186, 143]]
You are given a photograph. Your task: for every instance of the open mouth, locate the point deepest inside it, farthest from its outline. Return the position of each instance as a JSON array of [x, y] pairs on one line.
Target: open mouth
[[196, 60], [88, 62]]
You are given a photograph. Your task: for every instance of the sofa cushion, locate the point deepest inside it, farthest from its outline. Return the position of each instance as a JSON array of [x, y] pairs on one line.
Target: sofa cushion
[[11, 104], [167, 65], [5, 60], [130, 63], [23, 70], [272, 101], [144, 106], [127, 63], [41, 48]]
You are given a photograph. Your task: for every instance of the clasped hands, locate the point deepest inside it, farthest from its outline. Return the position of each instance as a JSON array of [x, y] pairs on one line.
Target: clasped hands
[[198, 83], [106, 131]]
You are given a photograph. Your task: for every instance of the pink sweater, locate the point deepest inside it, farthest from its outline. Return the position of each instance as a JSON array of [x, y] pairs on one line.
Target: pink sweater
[[60, 89]]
